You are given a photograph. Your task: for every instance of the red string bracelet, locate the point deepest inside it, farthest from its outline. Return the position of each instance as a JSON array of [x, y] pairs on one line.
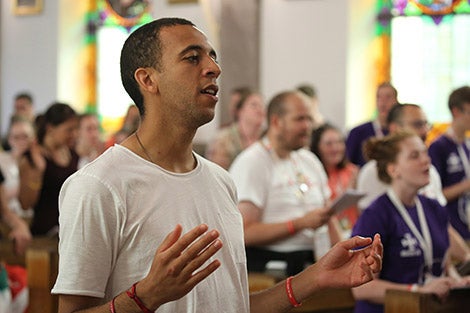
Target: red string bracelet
[[412, 287], [133, 296], [290, 293], [290, 227], [111, 306]]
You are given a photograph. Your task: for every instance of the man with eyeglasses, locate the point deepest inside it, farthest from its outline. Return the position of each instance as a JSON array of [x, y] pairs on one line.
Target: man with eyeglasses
[[401, 117], [450, 155]]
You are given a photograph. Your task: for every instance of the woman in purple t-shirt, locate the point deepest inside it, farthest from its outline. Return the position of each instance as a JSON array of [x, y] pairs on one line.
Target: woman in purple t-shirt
[[414, 229]]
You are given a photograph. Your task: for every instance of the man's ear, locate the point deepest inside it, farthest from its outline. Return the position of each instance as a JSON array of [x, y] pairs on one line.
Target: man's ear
[[146, 78], [274, 120]]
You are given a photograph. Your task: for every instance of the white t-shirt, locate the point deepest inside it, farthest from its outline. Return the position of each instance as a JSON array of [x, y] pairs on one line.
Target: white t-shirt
[[274, 185], [368, 181], [116, 211]]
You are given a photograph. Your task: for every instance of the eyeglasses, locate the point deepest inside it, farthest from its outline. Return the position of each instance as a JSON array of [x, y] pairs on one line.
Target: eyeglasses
[[419, 124]]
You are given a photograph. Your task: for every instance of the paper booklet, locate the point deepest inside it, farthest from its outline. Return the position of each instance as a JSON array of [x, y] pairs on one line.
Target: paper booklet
[[349, 198]]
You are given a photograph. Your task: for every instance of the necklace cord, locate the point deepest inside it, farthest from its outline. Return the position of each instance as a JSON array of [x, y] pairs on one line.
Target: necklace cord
[[143, 148]]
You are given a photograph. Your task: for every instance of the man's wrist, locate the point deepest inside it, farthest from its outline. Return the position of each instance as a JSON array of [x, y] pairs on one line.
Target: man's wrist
[[132, 293], [412, 287]]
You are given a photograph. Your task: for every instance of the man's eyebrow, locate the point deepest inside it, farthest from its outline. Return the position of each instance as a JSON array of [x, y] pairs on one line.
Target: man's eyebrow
[[198, 48]]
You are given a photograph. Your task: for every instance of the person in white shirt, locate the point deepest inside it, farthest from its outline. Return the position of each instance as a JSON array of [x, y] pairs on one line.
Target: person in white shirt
[[152, 226], [283, 191]]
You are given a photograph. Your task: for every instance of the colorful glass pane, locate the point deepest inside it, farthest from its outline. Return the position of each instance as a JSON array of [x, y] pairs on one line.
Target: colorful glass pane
[[110, 17], [430, 7]]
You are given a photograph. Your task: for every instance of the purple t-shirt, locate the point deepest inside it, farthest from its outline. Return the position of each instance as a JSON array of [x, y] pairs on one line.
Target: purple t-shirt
[[446, 159], [403, 258], [355, 140]]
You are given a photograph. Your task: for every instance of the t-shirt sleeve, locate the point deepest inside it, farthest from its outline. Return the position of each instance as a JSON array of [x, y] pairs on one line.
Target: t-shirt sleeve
[[89, 217], [251, 180]]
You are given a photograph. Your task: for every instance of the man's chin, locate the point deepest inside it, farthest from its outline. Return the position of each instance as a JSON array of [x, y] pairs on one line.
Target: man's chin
[[206, 118], [297, 147]]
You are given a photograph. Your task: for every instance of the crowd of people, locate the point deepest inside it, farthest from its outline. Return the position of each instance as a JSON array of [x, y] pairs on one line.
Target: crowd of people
[[38, 154], [172, 229]]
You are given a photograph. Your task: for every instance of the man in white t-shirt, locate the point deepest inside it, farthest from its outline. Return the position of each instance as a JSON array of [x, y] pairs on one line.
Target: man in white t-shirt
[[283, 190], [134, 223]]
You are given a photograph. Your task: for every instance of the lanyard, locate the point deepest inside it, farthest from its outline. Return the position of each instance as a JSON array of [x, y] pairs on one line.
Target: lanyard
[[425, 239], [304, 184], [464, 159], [461, 151], [463, 202]]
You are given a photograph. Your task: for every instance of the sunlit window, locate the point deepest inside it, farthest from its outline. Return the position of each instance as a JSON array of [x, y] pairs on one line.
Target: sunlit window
[[430, 59], [113, 100], [430, 49]]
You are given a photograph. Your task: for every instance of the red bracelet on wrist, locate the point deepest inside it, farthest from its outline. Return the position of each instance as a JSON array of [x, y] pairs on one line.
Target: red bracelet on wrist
[[133, 296], [291, 227], [413, 287], [111, 306], [290, 293]]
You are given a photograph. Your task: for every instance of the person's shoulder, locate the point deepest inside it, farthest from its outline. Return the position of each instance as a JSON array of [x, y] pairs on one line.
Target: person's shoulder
[[430, 204], [216, 172], [379, 205], [304, 152], [361, 128], [111, 163], [254, 154], [441, 141], [374, 217], [369, 169], [427, 200], [370, 165], [308, 155], [210, 165]]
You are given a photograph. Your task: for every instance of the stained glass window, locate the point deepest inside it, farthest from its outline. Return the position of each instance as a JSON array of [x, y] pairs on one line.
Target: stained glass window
[[430, 45], [110, 23]]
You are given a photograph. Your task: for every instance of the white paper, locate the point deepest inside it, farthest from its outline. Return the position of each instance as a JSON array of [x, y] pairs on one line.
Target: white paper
[[347, 199]]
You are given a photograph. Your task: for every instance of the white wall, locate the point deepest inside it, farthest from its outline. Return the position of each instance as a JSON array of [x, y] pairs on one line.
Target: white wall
[[302, 41], [28, 57], [31, 46], [305, 41]]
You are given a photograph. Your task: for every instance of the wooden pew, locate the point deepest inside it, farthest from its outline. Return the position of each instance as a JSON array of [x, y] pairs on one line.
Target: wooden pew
[[398, 301], [328, 301], [41, 262]]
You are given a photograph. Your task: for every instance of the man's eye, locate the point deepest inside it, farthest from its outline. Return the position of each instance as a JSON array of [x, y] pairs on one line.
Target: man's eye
[[193, 58]]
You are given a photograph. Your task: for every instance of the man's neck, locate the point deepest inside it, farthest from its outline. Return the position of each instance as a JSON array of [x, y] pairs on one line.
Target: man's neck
[[166, 149], [457, 132], [281, 151]]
